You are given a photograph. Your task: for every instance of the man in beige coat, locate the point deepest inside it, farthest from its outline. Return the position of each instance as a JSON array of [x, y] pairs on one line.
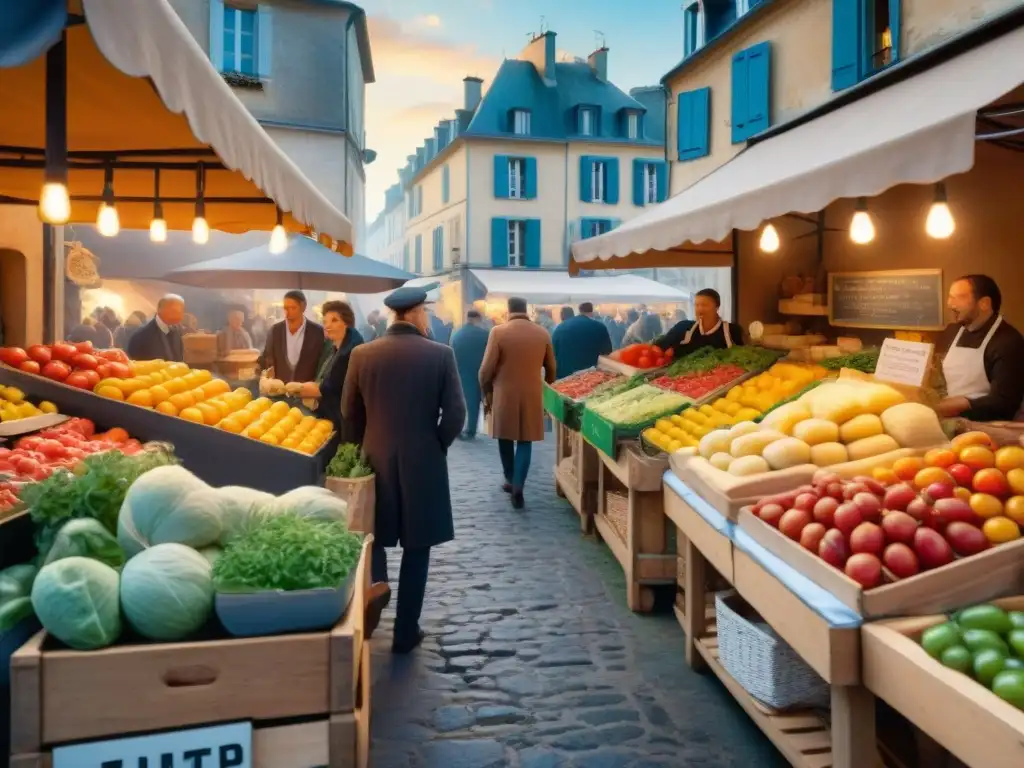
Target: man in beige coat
[[516, 352]]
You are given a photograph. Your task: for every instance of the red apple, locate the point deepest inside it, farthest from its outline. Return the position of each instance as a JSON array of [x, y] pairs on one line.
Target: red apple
[[793, 522], [833, 549], [901, 560], [899, 526], [771, 514], [869, 505], [962, 474], [899, 497], [965, 539], [992, 482], [806, 501], [955, 509], [865, 569], [867, 537], [824, 511], [847, 517], [932, 550], [811, 536]]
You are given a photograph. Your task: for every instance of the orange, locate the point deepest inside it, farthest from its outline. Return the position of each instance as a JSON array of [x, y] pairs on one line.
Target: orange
[[191, 380], [930, 475], [231, 424], [307, 447], [271, 438], [192, 414], [940, 457], [114, 393], [141, 397], [211, 414], [960, 442], [1015, 478], [243, 393], [244, 417], [255, 431], [977, 457], [985, 505], [907, 468], [182, 401], [131, 385], [885, 476], [174, 386], [278, 432], [159, 394], [197, 394], [216, 387], [1000, 530], [1014, 509], [1009, 457], [167, 407], [202, 375], [290, 442]]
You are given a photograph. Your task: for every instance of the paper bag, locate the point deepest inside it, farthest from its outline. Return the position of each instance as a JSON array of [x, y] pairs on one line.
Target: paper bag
[[361, 496]]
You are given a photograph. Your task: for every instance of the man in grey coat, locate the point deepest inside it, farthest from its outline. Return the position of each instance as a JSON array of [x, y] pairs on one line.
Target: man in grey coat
[[403, 398]]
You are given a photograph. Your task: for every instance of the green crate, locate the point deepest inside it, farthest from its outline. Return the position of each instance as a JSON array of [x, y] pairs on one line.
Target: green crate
[[554, 403], [605, 436]]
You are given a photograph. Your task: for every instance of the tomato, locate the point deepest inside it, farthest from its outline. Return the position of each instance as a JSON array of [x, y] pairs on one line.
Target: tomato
[[114, 356], [83, 346], [119, 370], [52, 449], [656, 351], [56, 370], [670, 352], [643, 362], [28, 443], [40, 353], [659, 362], [24, 466], [29, 366], [92, 376], [78, 379], [63, 351], [13, 356], [83, 427], [85, 362], [4, 453], [69, 440], [103, 369]]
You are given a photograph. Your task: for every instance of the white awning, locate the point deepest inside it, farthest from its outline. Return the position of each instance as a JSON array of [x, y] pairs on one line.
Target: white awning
[[559, 288], [918, 131]]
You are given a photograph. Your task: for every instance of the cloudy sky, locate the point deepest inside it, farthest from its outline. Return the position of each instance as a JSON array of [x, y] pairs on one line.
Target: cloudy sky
[[423, 48]]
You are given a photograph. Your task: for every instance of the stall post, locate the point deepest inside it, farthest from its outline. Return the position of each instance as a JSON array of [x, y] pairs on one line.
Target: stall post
[[56, 170]]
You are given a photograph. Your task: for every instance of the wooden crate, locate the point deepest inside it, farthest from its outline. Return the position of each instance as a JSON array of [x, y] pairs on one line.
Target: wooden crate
[[630, 520], [61, 696], [576, 470], [963, 716]]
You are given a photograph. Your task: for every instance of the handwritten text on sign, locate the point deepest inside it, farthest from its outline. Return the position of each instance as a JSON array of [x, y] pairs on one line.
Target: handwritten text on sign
[[904, 362], [220, 746], [890, 300]]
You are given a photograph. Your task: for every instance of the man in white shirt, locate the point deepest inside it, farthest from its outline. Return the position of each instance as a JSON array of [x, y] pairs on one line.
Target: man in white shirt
[[294, 345]]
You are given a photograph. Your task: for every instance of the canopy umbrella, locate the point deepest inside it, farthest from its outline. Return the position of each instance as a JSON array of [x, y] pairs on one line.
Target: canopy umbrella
[[305, 265], [123, 106]]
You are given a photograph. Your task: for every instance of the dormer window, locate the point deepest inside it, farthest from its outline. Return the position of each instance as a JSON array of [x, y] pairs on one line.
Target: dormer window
[[586, 121], [632, 127], [521, 122], [693, 28]]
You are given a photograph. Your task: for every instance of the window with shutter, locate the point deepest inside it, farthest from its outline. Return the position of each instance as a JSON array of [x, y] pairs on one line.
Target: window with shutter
[[865, 39], [240, 40], [597, 177], [751, 91], [516, 243], [586, 121], [693, 124], [516, 177], [693, 29]]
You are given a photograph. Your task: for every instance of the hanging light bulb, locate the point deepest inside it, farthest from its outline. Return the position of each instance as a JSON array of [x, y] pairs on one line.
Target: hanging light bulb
[[54, 203], [769, 238], [158, 226], [200, 227], [278, 237], [940, 223], [862, 230], [107, 221]]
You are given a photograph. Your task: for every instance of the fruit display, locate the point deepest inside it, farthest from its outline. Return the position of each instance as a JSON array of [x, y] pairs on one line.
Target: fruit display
[[642, 356], [698, 385], [583, 383], [986, 643], [766, 390], [14, 406], [277, 424], [77, 365], [638, 405]]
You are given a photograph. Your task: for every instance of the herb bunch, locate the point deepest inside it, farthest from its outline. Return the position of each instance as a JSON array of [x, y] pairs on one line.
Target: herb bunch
[[349, 462]]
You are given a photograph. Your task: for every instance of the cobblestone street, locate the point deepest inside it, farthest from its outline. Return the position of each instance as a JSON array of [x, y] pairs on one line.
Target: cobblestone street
[[533, 659]]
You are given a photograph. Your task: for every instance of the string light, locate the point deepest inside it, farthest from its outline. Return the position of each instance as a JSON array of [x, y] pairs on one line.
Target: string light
[[200, 227], [107, 221], [278, 236], [940, 223], [54, 203], [158, 226], [769, 239], [862, 229]]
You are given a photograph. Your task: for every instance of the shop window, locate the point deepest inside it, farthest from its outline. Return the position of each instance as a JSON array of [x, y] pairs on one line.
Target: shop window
[[865, 39], [751, 92], [693, 124]]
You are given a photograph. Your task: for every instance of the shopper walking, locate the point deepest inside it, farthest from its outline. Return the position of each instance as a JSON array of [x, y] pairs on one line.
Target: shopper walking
[[579, 341], [469, 344], [516, 352], [294, 344], [404, 401]]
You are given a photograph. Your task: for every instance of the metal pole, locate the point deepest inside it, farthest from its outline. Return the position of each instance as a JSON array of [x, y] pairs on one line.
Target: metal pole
[[735, 277], [56, 170]]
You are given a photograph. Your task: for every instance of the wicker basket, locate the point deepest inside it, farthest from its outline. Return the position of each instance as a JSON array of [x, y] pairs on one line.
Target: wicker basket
[[761, 662], [616, 510]]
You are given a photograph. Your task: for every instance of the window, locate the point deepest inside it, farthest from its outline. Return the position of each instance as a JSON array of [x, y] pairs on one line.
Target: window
[[632, 125], [751, 92], [521, 122], [586, 122], [599, 180], [455, 233], [600, 227], [240, 40], [693, 126], [515, 178], [445, 185], [879, 35], [650, 183], [438, 248], [418, 266], [693, 29], [865, 39], [516, 243], [597, 175], [719, 15]]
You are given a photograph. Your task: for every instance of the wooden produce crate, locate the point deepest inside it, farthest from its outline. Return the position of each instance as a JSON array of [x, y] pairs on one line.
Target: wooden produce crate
[[993, 573], [61, 696], [607, 364], [607, 436], [963, 716], [576, 470], [629, 519]]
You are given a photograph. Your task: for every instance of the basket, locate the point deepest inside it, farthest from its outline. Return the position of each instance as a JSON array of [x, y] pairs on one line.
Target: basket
[[761, 662], [361, 497], [616, 510]]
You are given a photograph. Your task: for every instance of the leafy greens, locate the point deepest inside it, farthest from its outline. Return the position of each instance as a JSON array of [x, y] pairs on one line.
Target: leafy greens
[[349, 462]]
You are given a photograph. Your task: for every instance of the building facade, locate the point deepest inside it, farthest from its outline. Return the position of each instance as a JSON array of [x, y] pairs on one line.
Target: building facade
[[552, 153], [301, 67]]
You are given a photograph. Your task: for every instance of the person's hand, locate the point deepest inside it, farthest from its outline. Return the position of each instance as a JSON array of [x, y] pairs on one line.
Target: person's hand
[[952, 407]]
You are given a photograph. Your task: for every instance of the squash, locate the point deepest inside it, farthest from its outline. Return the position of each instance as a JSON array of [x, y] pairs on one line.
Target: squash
[[787, 452], [829, 454], [913, 425], [861, 427], [785, 417], [871, 446], [816, 431], [754, 443]]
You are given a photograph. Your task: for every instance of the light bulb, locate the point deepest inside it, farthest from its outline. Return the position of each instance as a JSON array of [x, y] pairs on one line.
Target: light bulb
[[278, 240], [769, 239], [158, 231], [862, 230], [940, 223], [200, 231], [54, 203], [108, 222]]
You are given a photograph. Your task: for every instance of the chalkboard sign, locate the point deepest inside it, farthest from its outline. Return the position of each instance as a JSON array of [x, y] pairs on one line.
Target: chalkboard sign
[[906, 300]]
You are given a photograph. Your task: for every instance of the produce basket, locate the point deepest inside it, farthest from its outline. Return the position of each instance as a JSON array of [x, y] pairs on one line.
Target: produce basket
[[360, 494], [606, 435], [554, 403], [760, 661]]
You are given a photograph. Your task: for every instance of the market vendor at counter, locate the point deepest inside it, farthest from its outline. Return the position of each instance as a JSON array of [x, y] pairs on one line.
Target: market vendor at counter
[[984, 361], [708, 330]]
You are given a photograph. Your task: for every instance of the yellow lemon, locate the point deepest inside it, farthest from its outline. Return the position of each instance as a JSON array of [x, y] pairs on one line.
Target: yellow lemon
[[197, 394], [270, 438], [244, 417], [159, 393], [211, 414], [141, 397], [279, 409], [289, 442], [203, 375], [129, 386], [47, 407], [114, 393], [230, 424], [307, 447], [279, 433], [167, 407], [256, 431], [324, 425], [243, 393], [192, 414]]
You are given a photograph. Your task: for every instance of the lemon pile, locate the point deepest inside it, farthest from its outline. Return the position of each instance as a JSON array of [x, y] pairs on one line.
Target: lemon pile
[[14, 406], [277, 424]]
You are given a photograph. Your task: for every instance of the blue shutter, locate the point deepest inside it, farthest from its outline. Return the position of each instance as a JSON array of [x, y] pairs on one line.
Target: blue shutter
[[419, 254], [614, 224], [419, 200], [846, 23], [533, 243], [438, 249], [662, 167], [759, 88], [586, 228], [217, 34], [895, 16], [586, 192], [530, 193], [499, 242], [611, 180], [739, 97], [265, 40], [501, 176], [693, 125], [444, 185], [638, 182]]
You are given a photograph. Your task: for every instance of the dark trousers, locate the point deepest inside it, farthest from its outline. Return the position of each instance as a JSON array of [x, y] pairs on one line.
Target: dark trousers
[[473, 402], [515, 461], [412, 584]]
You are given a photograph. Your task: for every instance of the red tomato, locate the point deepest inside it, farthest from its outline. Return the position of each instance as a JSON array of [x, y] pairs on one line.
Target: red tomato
[[656, 351], [643, 362], [630, 354], [29, 366], [670, 352], [4, 453], [40, 353], [78, 379], [120, 370], [114, 356], [56, 370], [92, 376], [659, 362], [52, 449], [63, 351], [13, 356], [85, 362], [84, 346], [103, 369]]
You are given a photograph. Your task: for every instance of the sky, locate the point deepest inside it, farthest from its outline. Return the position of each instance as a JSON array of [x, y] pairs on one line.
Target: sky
[[423, 48]]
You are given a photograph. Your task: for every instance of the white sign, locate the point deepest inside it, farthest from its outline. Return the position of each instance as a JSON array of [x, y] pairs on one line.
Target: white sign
[[219, 746], [904, 362]]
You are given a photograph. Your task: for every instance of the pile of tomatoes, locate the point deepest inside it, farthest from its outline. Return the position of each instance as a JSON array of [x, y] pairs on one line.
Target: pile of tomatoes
[[35, 457], [77, 365], [643, 356], [699, 385]]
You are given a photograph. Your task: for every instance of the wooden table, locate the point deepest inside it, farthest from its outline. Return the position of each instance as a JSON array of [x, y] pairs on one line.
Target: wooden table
[[576, 473]]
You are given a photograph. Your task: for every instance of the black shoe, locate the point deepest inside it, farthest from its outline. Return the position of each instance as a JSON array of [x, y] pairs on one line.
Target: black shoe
[[404, 646], [506, 487], [376, 601], [518, 502]]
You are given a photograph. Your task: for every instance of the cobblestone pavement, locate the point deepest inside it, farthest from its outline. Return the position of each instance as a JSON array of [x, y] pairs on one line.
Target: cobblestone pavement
[[532, 657]]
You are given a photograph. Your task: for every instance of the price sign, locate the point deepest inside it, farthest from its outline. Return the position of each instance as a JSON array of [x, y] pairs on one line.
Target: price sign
[[218, 746], [904, 362]]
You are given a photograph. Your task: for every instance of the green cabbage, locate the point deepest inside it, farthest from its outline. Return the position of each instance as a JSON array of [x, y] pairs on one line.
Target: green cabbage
[[313, 502], [86, 537], [76, 600], [239, 506], [168, 505], [167, 592]]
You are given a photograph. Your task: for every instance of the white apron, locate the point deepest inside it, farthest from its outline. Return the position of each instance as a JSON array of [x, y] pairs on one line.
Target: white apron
[[964, 369], [695, 328]]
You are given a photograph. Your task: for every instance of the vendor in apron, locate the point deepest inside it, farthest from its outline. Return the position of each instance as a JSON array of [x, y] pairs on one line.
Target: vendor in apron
[[984, 364], [708, 330]]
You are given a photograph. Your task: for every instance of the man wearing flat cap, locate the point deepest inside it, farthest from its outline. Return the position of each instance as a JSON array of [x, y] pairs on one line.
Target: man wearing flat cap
[[403, 398]]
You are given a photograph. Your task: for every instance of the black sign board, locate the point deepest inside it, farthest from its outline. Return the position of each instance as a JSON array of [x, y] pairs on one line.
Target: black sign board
[[901, 300]]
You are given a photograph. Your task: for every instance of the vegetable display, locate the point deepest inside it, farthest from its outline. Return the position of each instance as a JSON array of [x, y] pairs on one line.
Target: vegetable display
[[77, 365], [698, 385], [863, 361], [349, 462], [643, 356], [707, 359], [614, 388], [14, 406], [583, 383], [638, 405]]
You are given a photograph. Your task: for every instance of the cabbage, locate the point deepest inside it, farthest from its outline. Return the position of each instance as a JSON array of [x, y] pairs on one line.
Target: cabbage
[[167, 592], [168, 505], [238, 507], [314, 502], [17, 578], [76, 600], [211, 554], [86, 537]]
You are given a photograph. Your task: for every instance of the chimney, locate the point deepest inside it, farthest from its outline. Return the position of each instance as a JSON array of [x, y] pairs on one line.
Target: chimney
[[472, 87], [541, 53], [598, 62]]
